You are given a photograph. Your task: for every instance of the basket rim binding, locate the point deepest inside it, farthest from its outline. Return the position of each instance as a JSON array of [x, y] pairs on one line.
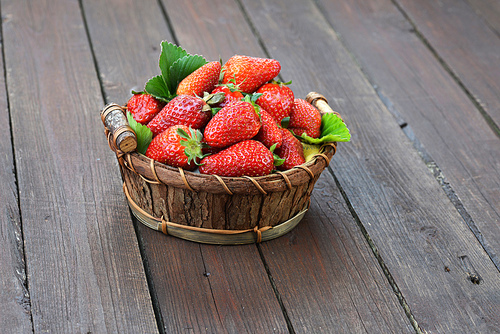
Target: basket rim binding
[[155, 172]]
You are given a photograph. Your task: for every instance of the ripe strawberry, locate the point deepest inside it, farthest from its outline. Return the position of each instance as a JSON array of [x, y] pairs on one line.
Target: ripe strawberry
[[183, 109], [291, 150], [235, 122], [277, 99], [304, 118], [231, 94], [144, 107], [269, 133], [249, 73], [177, 146], [202, 80], [248, 157]]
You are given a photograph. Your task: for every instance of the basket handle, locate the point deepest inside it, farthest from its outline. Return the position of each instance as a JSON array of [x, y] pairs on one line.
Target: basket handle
[[321, 103], [114, 119]]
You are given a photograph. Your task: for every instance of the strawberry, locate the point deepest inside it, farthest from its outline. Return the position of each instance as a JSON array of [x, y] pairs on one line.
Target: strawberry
[[248, 157], [235, 122], [291, 150], [304, 118], [231, 94], [144, 107], [177, 146], [202, 80], [183, 109], [249, 73], [269, 133], [277, 99]]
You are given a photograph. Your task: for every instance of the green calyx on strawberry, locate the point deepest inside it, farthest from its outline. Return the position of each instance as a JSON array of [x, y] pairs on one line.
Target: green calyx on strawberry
[[231, 93], [193, 143], [235, 122], [277, 99], [178, 146]]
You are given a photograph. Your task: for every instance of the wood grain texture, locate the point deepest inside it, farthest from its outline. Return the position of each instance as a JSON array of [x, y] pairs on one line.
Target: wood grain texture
[[412, 223], [84, 268], [442, 118], [309, 305], [468, 46], [185, 298], [221, 31], [15, 316], [332, 281], [489, 10]]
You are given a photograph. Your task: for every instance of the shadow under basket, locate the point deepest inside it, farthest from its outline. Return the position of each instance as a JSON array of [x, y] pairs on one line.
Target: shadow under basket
[[209, 208]]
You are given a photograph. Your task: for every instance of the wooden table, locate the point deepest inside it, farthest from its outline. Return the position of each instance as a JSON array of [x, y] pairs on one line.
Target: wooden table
[[403, 232]]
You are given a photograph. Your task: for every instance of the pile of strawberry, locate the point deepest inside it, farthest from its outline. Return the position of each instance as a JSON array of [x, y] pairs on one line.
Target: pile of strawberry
[[228, 120]]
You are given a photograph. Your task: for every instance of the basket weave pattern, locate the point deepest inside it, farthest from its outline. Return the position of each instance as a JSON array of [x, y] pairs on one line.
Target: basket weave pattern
[[172, 196]]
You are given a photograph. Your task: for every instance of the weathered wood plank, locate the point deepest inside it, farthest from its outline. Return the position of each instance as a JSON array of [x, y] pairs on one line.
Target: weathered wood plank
[[424, 96], [309, 305], [332, 281], [186, 298], [421, 238], [465, 43], [489, 10], [219, 28], [15, 316], [84, 268]]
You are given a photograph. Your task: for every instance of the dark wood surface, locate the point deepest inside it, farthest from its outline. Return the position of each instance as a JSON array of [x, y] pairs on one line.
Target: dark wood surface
[[402, 234], [84, 270]]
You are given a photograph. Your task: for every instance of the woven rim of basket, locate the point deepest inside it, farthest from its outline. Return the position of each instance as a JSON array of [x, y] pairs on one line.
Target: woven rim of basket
[[158, 173]]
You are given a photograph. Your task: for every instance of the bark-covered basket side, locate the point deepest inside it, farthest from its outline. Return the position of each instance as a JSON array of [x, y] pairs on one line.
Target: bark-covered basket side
[[217, 211]]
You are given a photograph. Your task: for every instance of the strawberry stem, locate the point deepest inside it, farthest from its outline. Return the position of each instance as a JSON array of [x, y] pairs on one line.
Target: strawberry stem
[[193, 146]]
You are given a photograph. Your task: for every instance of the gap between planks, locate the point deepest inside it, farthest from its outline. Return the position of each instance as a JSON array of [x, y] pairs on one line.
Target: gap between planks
[[477, 103], [372, 246], [407, 130]]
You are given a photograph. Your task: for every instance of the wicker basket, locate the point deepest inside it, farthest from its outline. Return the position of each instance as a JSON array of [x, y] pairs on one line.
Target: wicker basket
[[209, 208]]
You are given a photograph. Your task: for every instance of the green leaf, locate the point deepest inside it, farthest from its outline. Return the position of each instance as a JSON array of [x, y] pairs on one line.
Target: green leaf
[[143, 133], [170, 53], [333, 129], [181, 68], [156, 86]]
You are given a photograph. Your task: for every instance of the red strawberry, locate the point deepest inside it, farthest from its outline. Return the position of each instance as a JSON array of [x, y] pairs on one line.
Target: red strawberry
[[235, 122], [277, 99], [183, 109], [269, 133], [231, 94], [291, 150], [144, 107], [249, 73], [248, 157], [178, 146], [304, 118], [202, 80]]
